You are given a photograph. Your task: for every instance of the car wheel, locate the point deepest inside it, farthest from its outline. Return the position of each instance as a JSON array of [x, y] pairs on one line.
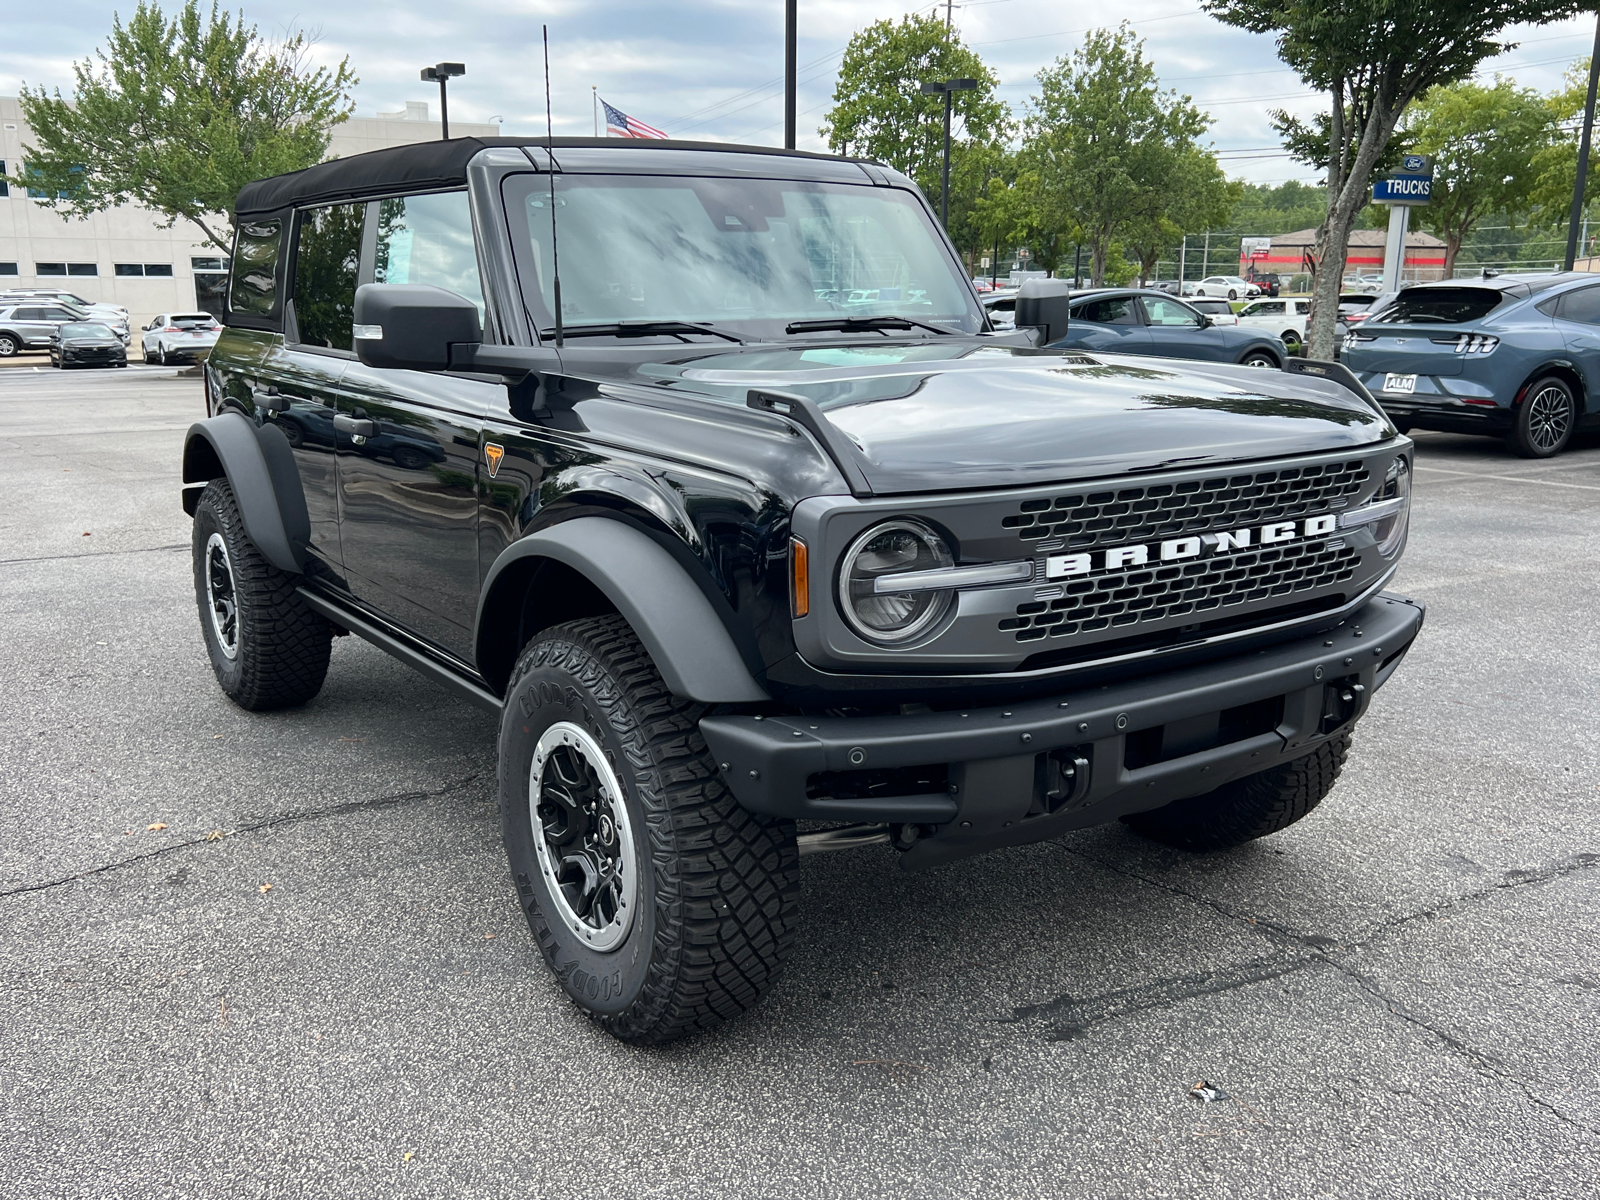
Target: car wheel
[[161, 355], [1260, 358], [268, 650], [661, 905], [1232, 295], [1248, 808], [8, 345], [1291, 341], [1545, 419], [409, 458]]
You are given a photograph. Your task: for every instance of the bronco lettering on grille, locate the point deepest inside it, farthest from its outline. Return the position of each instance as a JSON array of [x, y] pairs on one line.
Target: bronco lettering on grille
[[1063, 566]]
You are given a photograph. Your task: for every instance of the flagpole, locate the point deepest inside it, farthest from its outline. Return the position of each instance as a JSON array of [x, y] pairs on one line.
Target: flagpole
[[594, 103]]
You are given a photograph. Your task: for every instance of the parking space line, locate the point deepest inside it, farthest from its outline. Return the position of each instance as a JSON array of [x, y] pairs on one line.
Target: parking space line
[[1586, 487]]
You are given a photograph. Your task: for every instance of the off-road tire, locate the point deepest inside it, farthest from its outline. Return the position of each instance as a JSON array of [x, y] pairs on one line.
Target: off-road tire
[[1534, 432], [1248, 808], [718, 886], [282, 645]]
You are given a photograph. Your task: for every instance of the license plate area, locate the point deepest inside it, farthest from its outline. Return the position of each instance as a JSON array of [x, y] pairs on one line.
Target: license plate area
[[1177, 739], [1404, 385]]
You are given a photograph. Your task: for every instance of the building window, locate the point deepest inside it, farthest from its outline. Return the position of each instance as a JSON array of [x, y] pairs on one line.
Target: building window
[[5, 188], [83, 269], [130, 269], [153, 270], [49, 268], [8, 268], [209, 264]]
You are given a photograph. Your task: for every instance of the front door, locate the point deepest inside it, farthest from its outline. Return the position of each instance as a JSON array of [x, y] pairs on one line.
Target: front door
[[1176, 330], [1110, 324], [409, 443]]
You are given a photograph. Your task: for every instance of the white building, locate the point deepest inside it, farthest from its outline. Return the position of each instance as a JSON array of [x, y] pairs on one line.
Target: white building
[[122, 256]]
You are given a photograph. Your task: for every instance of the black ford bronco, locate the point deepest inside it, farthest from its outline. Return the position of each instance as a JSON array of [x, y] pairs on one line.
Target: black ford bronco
[[702, 468]]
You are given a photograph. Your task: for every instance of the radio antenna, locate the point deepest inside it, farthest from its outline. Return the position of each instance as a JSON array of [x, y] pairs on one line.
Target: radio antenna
[[555, 254]]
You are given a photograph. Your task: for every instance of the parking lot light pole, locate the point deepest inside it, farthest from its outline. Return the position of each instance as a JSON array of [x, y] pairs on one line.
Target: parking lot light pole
[[947, 87], [1583, 152], [441, 72]]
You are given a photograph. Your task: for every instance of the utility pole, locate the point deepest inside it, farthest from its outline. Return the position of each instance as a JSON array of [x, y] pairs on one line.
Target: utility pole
[[1205, 263], [1183, 250], [594, 104], [1583, 151], [442, 72], [791, 21], [948, 87]]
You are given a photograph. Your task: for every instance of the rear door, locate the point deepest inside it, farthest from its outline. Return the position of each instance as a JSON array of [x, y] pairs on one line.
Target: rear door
[[1111, 324], [410, 441]]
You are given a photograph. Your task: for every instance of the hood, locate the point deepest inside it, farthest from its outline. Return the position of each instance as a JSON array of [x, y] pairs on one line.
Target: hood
[[91, 341], [952, 415]]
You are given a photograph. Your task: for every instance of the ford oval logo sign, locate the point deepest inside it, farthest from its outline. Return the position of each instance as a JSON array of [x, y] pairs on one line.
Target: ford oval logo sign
[[1414, 162]]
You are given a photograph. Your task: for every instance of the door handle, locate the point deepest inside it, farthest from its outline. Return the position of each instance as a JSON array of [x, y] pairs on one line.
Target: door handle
[[356, 427], [269, 399]]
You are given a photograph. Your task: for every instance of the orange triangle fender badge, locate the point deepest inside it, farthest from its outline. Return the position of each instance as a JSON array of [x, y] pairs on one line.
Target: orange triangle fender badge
[[492, 455]]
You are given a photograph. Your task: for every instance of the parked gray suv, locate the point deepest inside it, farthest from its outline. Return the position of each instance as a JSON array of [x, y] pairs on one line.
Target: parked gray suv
[[31, 325]]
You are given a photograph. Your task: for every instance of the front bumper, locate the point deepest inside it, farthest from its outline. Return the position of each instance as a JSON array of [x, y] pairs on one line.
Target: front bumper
[[1137, 745]]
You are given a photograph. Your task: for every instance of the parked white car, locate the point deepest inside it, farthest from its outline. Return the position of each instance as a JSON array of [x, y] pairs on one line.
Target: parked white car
[[1218, 309], [1232, 287], [1287, 318], [173, 336]]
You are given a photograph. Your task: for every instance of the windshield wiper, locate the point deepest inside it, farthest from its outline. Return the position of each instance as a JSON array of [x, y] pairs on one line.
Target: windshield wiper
[[642, 329], [850, 323]]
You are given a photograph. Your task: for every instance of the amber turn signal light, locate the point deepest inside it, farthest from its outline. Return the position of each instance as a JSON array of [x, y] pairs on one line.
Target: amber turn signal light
[[800, 578]]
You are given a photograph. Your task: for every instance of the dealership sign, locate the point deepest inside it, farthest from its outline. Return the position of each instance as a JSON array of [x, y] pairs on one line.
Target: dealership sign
[[1411, 184]]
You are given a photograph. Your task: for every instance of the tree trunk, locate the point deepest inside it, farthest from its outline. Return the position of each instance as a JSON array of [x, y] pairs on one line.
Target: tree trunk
[[1097, 261], [1452, 247]]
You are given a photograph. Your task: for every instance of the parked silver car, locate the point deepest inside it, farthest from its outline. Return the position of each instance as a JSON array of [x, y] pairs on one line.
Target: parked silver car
[[173, 336], [113, 315], [30, 325]]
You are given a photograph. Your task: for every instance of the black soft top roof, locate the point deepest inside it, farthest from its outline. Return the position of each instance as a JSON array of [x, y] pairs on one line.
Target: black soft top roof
[[423, 166]]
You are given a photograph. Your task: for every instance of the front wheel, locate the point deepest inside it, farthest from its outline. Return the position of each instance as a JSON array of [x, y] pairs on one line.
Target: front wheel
[[268, 650], [1260, 358], [662, 907], [1232, 294], [1248, 808], [1545, 421], [1291, 341]]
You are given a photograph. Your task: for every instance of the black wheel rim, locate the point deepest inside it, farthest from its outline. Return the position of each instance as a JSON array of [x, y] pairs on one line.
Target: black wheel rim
[[1549, 417], [582, 836], [221, 597]]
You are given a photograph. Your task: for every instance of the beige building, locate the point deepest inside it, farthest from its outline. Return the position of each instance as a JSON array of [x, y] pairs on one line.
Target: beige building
[[123, 256]]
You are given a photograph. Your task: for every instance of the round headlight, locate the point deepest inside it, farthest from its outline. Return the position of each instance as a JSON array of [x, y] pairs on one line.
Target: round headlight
[[1390, 533], [893, 548]]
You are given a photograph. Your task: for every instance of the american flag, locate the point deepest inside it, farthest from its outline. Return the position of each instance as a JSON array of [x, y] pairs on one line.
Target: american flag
[[620, 124]]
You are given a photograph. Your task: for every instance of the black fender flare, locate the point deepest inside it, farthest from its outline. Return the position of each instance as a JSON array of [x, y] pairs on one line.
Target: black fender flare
[[259, 465], [680, 629]]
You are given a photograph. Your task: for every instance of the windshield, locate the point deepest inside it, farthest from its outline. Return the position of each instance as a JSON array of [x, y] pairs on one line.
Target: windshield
[[1439, 306], [86, 329], [739, 254]]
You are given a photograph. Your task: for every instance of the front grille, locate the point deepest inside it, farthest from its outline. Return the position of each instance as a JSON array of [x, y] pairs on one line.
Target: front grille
[[1166, 510], [1141, 594]]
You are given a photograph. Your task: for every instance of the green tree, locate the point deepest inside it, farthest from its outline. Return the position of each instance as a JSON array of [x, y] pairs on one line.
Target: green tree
[[1373, 58], [1486, 143], [1195, 195], [178, 115], [1556, 165], [1110, 146], [1010, 212], [879, 112]]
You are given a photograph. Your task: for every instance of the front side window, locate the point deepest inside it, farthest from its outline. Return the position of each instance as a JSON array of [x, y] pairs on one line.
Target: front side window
[[1170, 313], [428, 239], [1117, 310], [325, 271], [752, 252], [254, 285]]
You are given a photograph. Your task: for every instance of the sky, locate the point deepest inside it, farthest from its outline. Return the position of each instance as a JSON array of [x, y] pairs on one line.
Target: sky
[[712, 69]]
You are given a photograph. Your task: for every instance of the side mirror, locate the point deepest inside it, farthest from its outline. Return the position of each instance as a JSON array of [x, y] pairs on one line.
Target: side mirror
[[412, 326], [1205, 321], [1043, 304]]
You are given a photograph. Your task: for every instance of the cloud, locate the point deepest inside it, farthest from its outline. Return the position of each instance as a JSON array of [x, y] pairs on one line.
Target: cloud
[[712, 69]]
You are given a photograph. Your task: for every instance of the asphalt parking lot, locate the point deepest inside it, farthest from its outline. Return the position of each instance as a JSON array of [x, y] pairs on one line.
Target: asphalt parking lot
[[1399, 996]]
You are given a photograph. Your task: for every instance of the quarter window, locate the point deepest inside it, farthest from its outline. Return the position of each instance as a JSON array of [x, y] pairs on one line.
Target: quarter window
[[325, 272], [254, 287], [428, 239]]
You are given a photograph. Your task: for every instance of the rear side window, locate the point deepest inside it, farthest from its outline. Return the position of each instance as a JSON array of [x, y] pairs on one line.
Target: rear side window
[[325, 270], [254, 286], [1117, 310], [428, 239], [1440, 306], [1582, 306]]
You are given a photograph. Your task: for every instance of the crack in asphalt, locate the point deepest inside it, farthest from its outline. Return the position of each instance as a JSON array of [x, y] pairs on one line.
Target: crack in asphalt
[[11, 562], [1172, 991], [289, 818]]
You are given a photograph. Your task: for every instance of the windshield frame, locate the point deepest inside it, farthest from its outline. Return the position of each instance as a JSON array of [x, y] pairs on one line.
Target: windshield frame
[[518, 187]]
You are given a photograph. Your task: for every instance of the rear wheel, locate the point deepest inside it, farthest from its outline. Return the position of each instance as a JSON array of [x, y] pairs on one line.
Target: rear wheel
[[1248, 808], [662, 906], [1545, 420], [267, 649]]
